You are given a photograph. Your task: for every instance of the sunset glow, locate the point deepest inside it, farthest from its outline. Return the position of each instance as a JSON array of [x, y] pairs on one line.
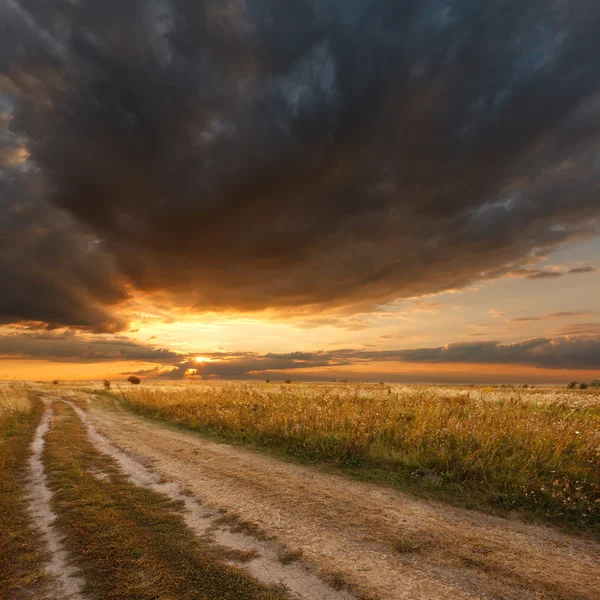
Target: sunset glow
[[246, 203]]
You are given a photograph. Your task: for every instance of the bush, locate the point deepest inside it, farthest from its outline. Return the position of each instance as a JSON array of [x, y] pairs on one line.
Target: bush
[[573, 385], [106, 384], [583, 386], [56, 382], [134, 379]]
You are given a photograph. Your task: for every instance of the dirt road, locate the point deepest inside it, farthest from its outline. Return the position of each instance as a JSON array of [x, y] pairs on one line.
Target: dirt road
[[385, 544]]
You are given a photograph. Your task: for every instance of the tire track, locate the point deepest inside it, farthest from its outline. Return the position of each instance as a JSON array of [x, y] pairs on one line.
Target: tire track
[[67, 583]]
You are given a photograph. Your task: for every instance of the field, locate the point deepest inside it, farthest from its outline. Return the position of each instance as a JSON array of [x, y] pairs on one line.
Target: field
[[286, 491], [536, 451]]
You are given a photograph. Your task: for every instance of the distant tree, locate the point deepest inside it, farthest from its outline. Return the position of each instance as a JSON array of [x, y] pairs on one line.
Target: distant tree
[[134, 379], [583, 386], [106, 384], [56, 382], [572, 385], [595, 383], [288, 381], [268, 381]]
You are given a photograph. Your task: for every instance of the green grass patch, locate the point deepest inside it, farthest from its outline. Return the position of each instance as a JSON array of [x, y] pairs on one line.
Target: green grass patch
[[532, 451], [128, 542], [21, 556]]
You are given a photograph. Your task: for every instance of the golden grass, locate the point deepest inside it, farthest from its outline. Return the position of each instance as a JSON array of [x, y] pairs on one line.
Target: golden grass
[[131, 543], [21, 555], [14, 398], [498, 448]]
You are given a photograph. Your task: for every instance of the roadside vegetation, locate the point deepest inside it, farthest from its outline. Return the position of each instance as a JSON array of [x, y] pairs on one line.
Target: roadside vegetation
[[532, 450], [130, 543], [21, 558]]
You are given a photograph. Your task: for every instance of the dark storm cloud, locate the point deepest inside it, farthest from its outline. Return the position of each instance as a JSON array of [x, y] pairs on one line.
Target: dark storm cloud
[[253, 154], [51, 269], [74, 348]]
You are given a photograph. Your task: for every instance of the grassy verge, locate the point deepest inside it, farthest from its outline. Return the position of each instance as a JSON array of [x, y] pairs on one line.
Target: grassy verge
[[21, 557], [131, 543], [498, 449]]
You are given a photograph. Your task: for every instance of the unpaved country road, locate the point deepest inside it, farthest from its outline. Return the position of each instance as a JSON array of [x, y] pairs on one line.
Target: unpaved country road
[[351, 528]]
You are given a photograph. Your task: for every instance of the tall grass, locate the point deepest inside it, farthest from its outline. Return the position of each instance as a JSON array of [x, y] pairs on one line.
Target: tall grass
[[506, 448], [14, 398]]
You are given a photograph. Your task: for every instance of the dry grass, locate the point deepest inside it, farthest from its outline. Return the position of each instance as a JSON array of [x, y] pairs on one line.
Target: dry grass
[[287, 557], [14, 399], [234, 523], [21, 557], [131, 543], [405, 546], [533, 450]]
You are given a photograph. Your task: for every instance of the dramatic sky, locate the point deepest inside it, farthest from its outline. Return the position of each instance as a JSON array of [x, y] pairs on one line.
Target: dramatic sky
[[405, 190]]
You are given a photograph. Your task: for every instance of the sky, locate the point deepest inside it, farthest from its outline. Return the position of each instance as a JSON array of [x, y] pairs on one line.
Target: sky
[[370, 190]]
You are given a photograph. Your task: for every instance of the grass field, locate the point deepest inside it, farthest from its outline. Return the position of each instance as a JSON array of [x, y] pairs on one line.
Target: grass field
[[21, 557], [536, 451]]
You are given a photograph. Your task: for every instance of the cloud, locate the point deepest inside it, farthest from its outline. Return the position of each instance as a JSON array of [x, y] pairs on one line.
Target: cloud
[[579, 329], [70, 347], [545, 274], [536, 274], [554, 315], [576, 347], [560, 352], [52, 270], [524, 319], [250, 155]]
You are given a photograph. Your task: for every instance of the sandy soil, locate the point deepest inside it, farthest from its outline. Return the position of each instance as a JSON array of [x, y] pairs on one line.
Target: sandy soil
[[301, 581], [351, 528]]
